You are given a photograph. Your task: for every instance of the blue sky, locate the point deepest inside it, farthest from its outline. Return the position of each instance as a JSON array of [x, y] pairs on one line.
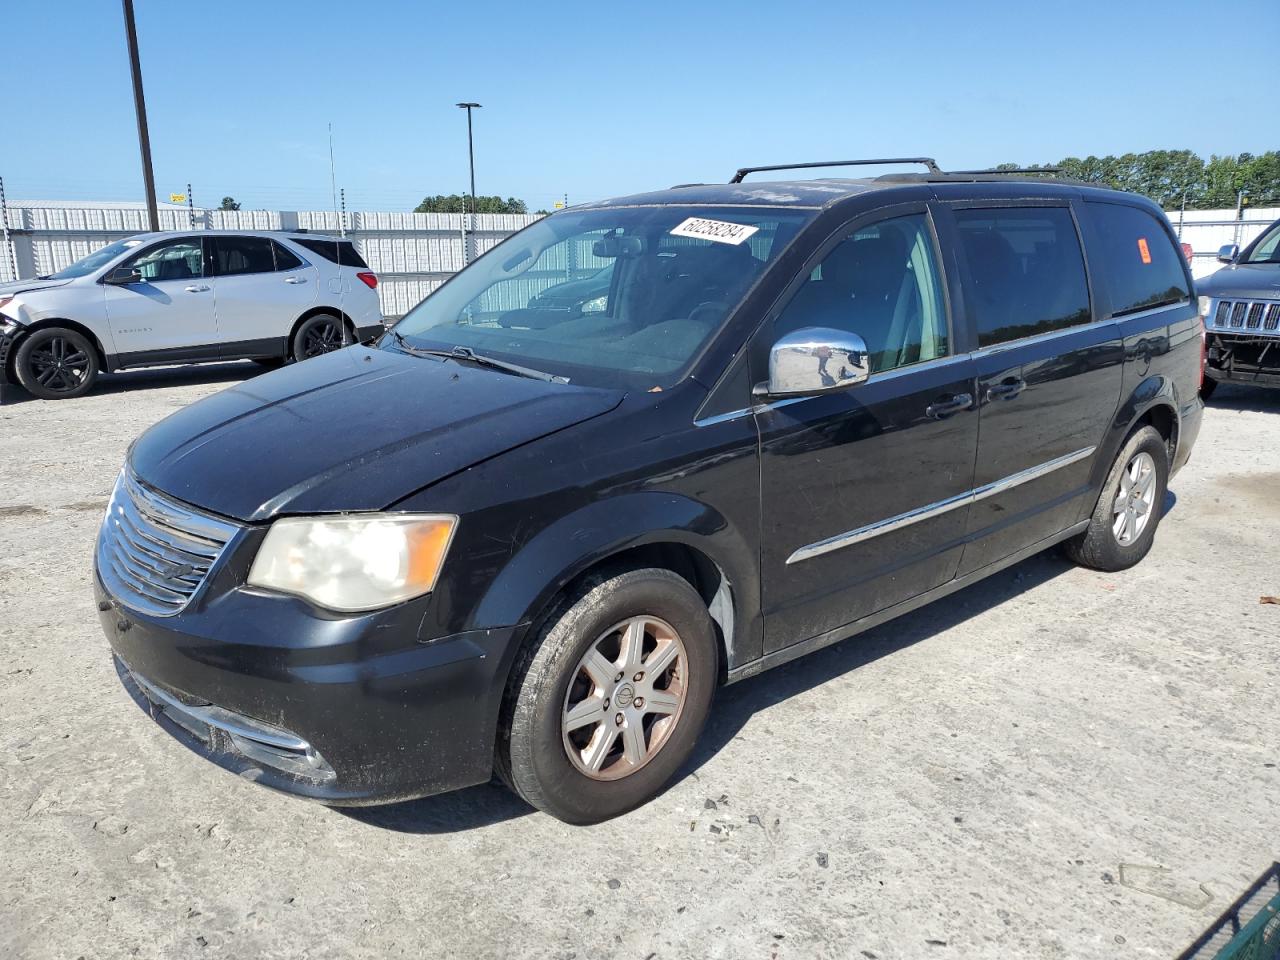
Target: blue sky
[[601, 99]]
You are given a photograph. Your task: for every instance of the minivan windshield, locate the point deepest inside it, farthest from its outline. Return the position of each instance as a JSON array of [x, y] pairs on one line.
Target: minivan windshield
[[1267, 249], [99, 258], [677, 273]]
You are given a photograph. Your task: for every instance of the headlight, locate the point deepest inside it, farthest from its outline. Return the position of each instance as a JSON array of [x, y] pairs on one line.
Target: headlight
[[1204, 307], [598, 305], [351, 563]]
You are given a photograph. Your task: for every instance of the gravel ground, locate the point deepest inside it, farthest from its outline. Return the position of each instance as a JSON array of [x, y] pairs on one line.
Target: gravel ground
[[1054, 762]]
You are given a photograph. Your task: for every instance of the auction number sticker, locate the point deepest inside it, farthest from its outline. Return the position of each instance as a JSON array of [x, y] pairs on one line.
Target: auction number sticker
[[1144, 251], [718, 230]]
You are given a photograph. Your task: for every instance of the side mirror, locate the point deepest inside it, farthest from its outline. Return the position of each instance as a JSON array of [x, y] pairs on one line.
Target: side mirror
[[123, 275], [815, 360], [1229, 253]]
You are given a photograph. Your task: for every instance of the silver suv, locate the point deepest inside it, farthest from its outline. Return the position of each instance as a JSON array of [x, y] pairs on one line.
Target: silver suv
[[159, 298]]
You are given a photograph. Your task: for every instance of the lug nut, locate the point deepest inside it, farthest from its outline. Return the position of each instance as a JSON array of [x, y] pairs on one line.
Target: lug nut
[[606, 703], [618, 678], [638, 677], [618, 719], [639, 702]]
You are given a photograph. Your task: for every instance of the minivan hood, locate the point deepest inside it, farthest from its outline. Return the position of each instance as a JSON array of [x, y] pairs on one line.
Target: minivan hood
[[26, 286], [1248, 281], [357, 429]]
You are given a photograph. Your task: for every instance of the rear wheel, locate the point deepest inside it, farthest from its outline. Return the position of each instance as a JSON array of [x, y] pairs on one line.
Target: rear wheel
[[608, 700], [1124, 522], [318, 335], [56, 364]]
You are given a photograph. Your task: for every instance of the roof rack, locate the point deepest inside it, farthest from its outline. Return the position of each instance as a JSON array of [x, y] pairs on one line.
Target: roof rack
[[1018, 171], [928, 162]]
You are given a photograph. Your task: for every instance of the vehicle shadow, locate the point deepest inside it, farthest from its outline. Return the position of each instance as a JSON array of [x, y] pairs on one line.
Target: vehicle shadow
[[1229, 396], [192, 374], [737, 704]]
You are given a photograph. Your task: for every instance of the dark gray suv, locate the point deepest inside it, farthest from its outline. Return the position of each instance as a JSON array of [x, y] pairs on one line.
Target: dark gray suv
[[1241, 309]]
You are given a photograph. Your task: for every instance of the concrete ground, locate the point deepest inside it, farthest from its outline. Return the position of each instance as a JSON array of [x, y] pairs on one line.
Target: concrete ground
[[1053, 763]]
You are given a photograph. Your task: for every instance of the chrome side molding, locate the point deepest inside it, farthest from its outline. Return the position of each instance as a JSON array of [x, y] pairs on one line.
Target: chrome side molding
[[929, 511]]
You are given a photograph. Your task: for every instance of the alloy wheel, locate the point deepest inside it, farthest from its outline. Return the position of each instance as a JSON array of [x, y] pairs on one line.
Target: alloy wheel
[[322, 338], [625, 698], [59, 365], [1135, 501]]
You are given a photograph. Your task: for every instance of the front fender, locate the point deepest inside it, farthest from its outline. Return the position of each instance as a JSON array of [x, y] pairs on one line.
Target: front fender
[[575, 543]]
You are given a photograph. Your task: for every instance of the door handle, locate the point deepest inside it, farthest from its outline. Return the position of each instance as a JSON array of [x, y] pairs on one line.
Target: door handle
[[196, 288], [941, 409], [1006, 389], [295, 279]]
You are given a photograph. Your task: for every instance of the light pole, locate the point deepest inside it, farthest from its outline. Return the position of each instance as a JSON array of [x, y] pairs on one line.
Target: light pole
[[140, 107], [471, 154]]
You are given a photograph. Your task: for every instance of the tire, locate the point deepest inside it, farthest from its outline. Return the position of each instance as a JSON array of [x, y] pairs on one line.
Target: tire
[[1207, 388], [551, 678], [318, 335], [56, 363], [1114, 543]]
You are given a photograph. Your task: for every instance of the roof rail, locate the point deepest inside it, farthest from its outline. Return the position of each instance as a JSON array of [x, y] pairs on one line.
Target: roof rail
[[1021, 171], [928, 162]]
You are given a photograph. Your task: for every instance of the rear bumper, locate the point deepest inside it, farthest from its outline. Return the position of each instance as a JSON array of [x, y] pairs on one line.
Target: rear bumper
[[351, 711], [1189, 420]]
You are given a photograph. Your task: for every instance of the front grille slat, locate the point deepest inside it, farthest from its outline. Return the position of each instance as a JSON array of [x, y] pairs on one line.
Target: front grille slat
[[154, 553], [1262, 316]]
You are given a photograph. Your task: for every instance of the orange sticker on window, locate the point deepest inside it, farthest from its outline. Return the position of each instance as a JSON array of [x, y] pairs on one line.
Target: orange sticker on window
[[1143, 250]]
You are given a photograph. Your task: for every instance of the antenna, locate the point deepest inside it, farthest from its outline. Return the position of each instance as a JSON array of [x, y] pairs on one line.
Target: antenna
[[333, 180]]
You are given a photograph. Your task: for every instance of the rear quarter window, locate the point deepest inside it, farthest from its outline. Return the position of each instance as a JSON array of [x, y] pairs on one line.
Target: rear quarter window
[[341, 252], [1135, 257]]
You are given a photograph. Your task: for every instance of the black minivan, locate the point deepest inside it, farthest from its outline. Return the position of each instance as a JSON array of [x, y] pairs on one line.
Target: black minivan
[[513, 537]]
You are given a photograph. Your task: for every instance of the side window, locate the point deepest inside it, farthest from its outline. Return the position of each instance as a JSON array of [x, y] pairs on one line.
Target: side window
[[1026, 271], [176, 260], [1141, 266], [341, 252], [286, 259], [883, 284], [237, 255]]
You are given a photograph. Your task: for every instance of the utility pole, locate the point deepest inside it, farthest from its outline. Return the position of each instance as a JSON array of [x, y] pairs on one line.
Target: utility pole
[[471, 155], [342, 217], [140, 108], [191, 208]]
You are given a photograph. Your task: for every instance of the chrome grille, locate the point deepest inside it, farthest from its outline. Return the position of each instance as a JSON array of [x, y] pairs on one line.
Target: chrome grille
[[1262, 316], [153, 552]]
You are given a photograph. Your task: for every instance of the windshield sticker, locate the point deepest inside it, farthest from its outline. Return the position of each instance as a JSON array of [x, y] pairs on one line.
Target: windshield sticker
[[717, 230], [1143, 250]]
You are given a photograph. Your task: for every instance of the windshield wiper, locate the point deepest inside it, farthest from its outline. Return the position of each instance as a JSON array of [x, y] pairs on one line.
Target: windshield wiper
[[469, 355]]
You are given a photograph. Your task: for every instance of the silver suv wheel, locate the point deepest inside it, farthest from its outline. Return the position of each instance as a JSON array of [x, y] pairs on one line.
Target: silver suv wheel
[[1135, 500]]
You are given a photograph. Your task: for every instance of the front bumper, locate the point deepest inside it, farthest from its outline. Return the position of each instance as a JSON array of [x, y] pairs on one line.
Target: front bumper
[[345, 711], [8, 344]]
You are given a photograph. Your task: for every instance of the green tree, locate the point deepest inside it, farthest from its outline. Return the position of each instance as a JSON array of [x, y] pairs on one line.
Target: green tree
[[461, 203], [229, 203]]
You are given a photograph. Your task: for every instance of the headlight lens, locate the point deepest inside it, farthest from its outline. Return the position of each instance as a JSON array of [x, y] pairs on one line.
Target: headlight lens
[[1204, 307], [353, 563]]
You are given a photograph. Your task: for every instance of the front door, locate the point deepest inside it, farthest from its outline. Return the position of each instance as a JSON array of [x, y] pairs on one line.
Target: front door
[[1048, 375], [864, 491], [168, 314], [261, 290]]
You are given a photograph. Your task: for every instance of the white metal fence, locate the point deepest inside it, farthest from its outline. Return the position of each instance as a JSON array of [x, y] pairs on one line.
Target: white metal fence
[[412, 253]]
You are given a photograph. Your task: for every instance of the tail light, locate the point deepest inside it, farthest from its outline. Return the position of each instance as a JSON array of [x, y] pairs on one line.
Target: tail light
[[1204, 303], [1187, 251], [370, 280]]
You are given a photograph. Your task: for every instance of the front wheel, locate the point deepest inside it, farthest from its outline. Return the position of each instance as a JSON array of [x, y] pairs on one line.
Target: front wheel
[[1123, 525], [608, 700], [56, 363], [318, 335]]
